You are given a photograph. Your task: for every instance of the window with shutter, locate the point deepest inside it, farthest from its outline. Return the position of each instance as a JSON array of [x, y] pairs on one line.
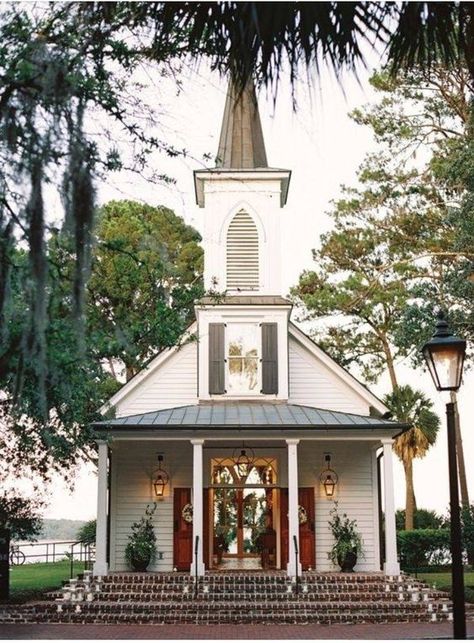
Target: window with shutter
[[216, 359], [242, 253], [270, 358]]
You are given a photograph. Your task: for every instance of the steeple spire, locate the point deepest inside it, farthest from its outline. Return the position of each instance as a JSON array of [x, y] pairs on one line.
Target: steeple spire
[[241, 144]]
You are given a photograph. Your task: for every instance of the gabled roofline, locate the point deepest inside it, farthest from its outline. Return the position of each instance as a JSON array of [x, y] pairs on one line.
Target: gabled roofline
[[147, 369], [337, 369]]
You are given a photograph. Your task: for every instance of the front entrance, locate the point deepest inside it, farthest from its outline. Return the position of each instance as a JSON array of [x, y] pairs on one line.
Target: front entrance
[[243, 528], [245, 521], [243, 501]]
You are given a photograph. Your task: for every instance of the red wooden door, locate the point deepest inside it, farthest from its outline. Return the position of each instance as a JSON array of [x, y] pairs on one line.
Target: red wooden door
[[307, 543], [306, 531], [183, 532], [205, 528]]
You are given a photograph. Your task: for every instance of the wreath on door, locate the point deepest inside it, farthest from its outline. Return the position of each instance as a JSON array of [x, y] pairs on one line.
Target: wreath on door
[[302, 515], [187, 513]]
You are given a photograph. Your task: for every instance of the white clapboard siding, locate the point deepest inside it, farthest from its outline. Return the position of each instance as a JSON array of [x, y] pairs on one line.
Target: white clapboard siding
[[132, 490], [242, 253], [354, 493], [133, 466], [173, 384], [312, 383]]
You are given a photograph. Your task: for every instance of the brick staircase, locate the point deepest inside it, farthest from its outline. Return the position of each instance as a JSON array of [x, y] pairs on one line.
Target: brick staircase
[[239, 597]]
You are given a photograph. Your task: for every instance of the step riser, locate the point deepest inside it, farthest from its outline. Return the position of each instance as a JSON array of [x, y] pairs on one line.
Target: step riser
[[240, 598]]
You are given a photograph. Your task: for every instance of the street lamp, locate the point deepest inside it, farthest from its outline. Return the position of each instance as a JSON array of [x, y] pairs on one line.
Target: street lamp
[[444, 354]]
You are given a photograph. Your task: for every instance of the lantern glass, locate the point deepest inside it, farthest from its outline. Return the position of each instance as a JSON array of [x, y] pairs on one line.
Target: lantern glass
[[444, 355], [159, 485], [329, 486]]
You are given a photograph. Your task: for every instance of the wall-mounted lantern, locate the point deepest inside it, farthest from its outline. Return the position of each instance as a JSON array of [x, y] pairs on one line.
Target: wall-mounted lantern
[[328, 478], [161, 479]]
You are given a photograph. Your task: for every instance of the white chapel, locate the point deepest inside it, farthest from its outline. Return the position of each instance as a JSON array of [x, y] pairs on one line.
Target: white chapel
[[245, 433]]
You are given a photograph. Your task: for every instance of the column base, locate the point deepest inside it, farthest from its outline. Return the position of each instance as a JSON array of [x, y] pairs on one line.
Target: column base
[[200, 569], [291, 569], [100, 569], [391, 569]]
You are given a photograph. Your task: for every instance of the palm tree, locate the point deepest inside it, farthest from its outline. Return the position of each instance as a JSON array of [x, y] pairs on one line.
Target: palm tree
[[413, 407], [263, 38]]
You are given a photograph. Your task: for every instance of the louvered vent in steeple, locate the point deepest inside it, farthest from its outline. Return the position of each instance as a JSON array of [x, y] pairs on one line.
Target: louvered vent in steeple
[[242, 253]]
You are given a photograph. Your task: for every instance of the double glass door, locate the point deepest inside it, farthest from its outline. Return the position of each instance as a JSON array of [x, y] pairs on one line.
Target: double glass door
[[241, 517]]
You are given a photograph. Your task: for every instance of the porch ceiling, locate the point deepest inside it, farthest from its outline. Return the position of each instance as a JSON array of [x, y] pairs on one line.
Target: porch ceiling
[[242, 415]]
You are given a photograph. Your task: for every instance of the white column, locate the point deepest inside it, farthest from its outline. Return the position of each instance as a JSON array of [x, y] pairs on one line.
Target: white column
[[100, 565], [293, 522], [391, 565], [197, 507]]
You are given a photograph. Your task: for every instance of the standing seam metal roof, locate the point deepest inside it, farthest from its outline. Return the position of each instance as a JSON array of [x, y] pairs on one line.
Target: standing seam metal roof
[[249, 415]]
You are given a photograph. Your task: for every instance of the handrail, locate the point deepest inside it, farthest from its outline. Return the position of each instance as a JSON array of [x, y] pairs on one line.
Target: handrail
[[196, 550], [85, 548], [295, 542]]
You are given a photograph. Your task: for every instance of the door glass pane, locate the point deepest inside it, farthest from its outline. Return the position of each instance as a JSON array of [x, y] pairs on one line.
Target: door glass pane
[[254, 517], [225, 520]]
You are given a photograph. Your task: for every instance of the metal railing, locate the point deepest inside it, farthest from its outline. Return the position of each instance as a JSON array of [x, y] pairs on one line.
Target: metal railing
[[74, 551], [45, 552], [297, 580], [86, 551]]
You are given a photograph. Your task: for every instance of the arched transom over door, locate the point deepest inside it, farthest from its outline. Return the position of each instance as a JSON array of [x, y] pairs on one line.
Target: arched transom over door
[[242, 264]]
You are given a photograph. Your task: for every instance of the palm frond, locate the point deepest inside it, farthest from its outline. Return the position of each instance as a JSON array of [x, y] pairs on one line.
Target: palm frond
[[433, 33]]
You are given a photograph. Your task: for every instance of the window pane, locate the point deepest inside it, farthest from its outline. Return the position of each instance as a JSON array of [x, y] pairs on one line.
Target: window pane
[[243, 374], [242, 339], [242, 358]]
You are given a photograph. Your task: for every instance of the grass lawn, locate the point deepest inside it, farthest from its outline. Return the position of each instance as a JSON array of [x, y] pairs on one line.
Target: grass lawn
[[443, 582], [29, 581]]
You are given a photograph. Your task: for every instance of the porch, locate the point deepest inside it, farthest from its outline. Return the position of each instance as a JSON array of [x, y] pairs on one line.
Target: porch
[[199, 446]]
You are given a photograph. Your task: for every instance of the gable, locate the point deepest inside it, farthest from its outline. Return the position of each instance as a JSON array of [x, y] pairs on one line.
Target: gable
[[172, 383], [316, 380]]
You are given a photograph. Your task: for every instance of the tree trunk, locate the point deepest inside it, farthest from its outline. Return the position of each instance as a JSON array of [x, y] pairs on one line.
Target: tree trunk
[[129, 372], [390, 363], [460, 453], [410, 502]]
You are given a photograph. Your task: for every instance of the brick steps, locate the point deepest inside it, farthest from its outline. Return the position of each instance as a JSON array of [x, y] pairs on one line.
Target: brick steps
[[210, 612], [240, 598]]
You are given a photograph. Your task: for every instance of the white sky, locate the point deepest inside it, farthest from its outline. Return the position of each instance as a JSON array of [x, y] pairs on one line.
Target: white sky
[[323, 148]]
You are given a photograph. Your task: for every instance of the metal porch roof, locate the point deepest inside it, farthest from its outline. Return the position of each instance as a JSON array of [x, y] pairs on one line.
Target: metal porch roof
[[248, 415]]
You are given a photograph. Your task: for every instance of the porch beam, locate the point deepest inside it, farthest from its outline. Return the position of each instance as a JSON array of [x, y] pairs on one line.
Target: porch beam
[[100, 565], [198, 508], [391, 566], [293, 521]]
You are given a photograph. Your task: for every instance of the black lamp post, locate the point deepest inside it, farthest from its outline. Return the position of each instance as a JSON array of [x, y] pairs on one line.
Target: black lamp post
[[444, 354]]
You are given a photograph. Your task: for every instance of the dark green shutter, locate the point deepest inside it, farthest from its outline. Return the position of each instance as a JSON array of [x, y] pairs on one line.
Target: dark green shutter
[[270, 358], [216, 359]]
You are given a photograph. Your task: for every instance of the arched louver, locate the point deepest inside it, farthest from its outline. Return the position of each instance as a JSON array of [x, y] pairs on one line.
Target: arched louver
[[242, 253]]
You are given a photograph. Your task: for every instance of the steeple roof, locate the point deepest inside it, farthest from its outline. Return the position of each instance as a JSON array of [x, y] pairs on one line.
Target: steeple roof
[[241, 144]]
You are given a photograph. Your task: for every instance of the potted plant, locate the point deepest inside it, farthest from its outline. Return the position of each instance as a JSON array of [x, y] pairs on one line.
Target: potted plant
[[141, 547], [347, 541]]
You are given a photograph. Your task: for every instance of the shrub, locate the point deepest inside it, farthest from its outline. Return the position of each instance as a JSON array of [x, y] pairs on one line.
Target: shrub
[[423, 547], [142, 541], [86, 533], [422, 519], [467, 516], [346, 537]]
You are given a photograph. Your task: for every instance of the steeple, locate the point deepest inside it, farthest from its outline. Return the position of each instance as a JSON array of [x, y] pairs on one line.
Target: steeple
[[241, 144]]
